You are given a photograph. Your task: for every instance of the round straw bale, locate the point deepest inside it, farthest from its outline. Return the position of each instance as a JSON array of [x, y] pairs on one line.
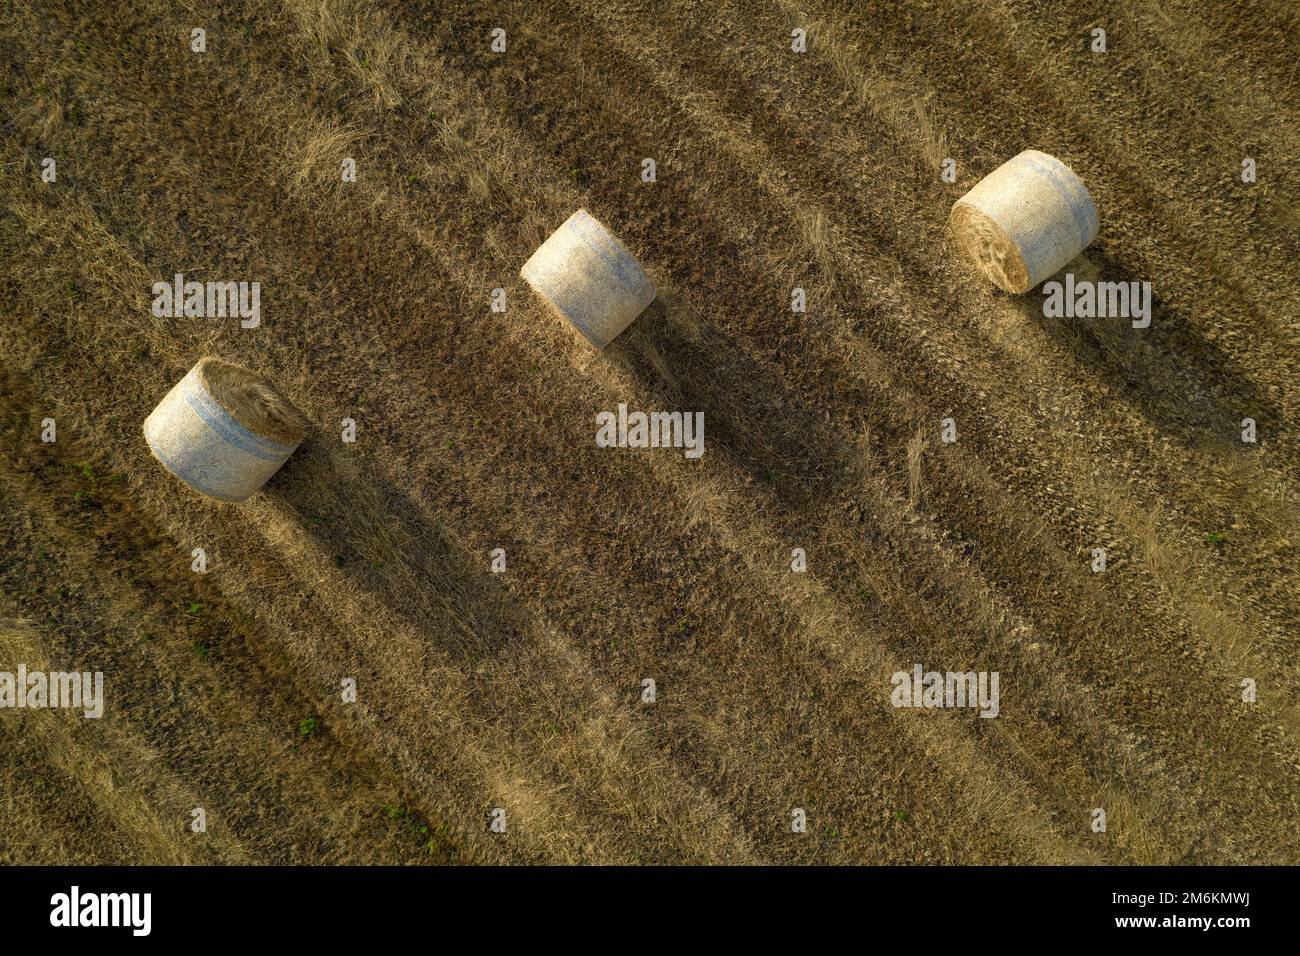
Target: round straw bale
[[224, 430], [588, 277], [1025, 220]]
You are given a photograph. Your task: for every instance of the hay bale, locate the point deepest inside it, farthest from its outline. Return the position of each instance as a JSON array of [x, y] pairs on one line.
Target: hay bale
[[588, 277], [224, 430], [1025, 220]]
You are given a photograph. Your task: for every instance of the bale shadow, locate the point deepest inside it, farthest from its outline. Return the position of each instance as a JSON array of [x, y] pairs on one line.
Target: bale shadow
[[752, 419], [387, 547], [1169, 374]]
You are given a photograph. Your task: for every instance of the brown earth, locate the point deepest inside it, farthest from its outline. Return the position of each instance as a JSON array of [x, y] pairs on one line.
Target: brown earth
[[521, 691]]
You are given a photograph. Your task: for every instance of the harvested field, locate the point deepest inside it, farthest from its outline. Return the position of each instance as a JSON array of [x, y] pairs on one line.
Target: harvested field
[[519, 695]]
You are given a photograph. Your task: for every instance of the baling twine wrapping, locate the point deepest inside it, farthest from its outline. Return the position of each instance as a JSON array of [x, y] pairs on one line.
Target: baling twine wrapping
[[224, 430], [1025, 220], [588, 276]]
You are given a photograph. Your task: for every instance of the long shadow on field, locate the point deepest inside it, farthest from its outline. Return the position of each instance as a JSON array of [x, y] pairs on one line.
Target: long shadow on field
[[389, 548], [393, 552], [1169, 373], [751, 417]]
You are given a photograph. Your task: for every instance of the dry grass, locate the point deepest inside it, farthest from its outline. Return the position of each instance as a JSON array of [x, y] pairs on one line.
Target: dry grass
[[520, 690], [915, 449]]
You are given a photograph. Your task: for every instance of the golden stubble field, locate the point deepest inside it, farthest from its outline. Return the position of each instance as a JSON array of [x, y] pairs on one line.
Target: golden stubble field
[[522, 691]]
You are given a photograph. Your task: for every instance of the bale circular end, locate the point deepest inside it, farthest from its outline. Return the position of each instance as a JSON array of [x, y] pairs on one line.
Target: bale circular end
[[985, 244], [587, 276], [223, 430], [1024, 221]]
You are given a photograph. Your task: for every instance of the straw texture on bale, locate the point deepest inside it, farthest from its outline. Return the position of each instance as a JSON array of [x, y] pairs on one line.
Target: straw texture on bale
[[1025, 220], [587, 276], [223, 430]]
